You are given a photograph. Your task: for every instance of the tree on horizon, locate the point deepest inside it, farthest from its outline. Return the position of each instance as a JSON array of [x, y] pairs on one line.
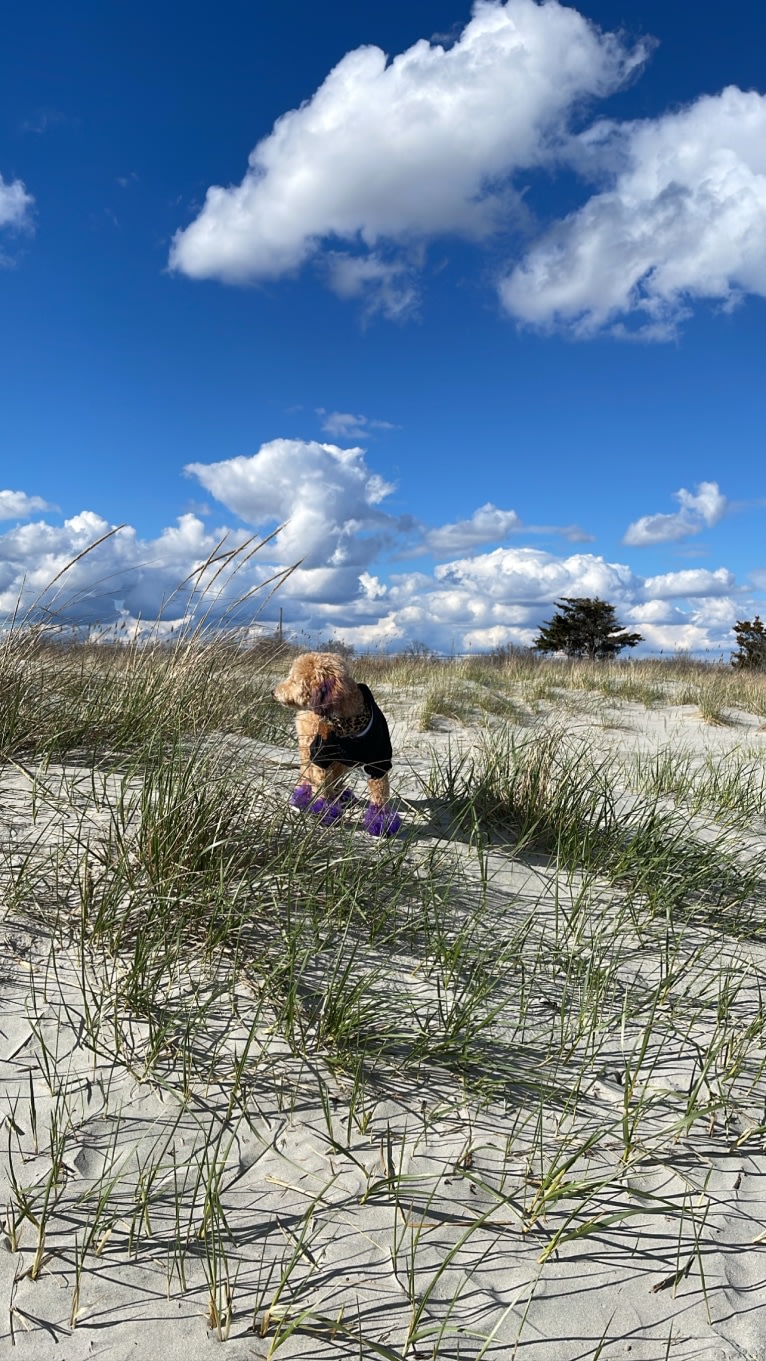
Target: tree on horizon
[[584, 627], [751, 644]]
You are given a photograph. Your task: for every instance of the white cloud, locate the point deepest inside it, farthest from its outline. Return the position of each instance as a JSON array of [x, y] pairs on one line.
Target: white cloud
[[707, 628], [15, 209], [57, 567], [503, 597], [690, 583], [386, 286], [510, 592], [345, 425], [15, 204], [373, 587], [531, 576], [716, 613], [574, 533], [391, 153], [479, 602], [680, 637], [699, 509], [326, 497], [682, 217], [16, 505], [655, 612], [486, 525], [333, 502]]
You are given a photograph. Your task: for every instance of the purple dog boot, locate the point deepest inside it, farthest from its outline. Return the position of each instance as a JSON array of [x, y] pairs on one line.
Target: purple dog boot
[[381, 821], [301, 797], [333, 810], [326, 810]]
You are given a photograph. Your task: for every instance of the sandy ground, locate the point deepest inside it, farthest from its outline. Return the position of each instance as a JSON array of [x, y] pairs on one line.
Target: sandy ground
[[416, 1211]]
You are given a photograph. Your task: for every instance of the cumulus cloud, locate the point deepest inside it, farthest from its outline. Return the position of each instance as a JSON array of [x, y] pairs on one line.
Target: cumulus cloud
[[682, 216], [333, 503], [16, 505], [387, 154], [503, 596], [690, 583], [64, 574], [699, 510], [706, 628], [372, 587], [716, 613], [528, 576], [486, 525], [482, 601], [325, 497], [656, 612]]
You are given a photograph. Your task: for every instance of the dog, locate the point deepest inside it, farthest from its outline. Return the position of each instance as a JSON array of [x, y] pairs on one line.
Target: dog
[[339, 726]]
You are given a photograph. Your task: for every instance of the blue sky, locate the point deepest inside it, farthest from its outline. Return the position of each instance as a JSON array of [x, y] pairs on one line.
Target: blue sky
[[470, 299]]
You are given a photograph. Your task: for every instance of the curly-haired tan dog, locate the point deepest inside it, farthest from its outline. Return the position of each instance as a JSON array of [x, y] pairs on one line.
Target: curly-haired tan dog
[[339, 726]]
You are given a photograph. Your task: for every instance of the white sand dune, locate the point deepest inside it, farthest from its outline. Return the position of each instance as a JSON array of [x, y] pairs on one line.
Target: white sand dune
[[585, 1176]]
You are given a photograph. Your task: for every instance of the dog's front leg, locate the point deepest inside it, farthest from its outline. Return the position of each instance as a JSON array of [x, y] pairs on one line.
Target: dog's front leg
[[378, 790], [310, 774], [319, 789], [323, 794], [379, 818]]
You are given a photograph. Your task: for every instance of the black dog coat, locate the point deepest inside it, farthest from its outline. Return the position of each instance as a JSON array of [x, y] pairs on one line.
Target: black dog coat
[[370, 748]]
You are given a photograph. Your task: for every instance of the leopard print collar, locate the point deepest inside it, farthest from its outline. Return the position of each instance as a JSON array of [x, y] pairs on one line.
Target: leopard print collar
[[356, 726]]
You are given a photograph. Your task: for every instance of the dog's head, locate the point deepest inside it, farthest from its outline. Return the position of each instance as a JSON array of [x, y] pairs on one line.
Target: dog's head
[[318, 681]]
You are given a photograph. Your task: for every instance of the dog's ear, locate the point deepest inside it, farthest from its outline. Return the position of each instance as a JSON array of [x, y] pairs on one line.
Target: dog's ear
[[322, 695]]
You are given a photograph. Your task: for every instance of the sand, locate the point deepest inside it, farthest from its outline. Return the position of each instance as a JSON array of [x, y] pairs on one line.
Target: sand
[[408, 1226]]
